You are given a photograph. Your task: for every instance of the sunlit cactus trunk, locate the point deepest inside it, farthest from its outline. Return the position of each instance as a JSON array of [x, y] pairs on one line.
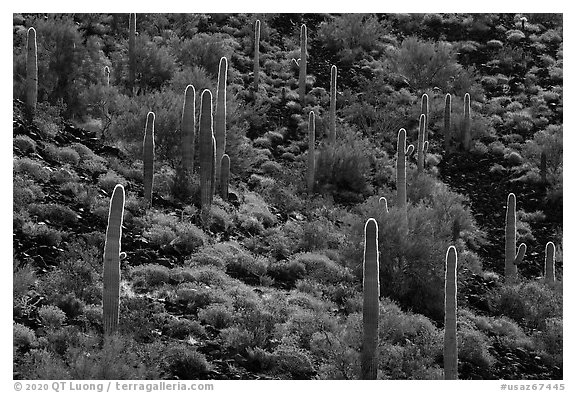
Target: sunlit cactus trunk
[[132, 54], [111, 271], [220, 116], [224, 176], [148, 157], [206, 152], [467, 128], [402, 152], [311, 152], [512, 258], [31, 72], [447, 121], [421, 143], [424, 111], [371, 303], [302, 65], [333, 93], [256, 55], [188, 130], [550, 261], [450, 305]]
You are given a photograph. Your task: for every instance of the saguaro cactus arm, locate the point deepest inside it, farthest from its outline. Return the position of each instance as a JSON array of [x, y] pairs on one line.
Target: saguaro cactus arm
[[148, 157], [466, 134], [371, 303], [450, 340], [424, 111], [111, 270], [383, 203], [31, 72], [447, 121], [421, 142], [302, 64], [188, 129], [333, 92], [220, 117]]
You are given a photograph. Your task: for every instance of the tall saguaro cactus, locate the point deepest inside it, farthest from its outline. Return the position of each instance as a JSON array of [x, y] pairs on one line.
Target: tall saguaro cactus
[[206, 151], [370, 309], [450, 341], [311, 152], [220, 118], [302, 65], [333, 93], [550, 260], [256, 54], [467, 127], [31, 72], [424, 111], [421, 142], [148, 157], [401, 173], [512, 258], [132, 53], [111, 272], [224, 176], [188, 129], [447, 121]]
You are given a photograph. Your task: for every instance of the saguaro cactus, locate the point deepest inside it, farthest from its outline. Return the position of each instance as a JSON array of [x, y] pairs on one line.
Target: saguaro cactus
[[370, 309], [447, 121], [256, 54], [132, 53], [111, 272], [333, 93], [550, 261], [302, 65], [450, 341], [206, 150], [188, 129], [224, 176], [311, 152], [220, 118], [512, 258], [401, 173], [424, 111], [421, 143], [31, 72], [214, 170], [148, 157], [383, 203], [467, 126], [107, 75]]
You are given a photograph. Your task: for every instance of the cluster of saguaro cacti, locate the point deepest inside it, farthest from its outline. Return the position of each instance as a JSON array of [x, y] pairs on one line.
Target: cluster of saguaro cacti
[[311, 152], [401, 173], [220, 117], [31, 72], [447, 121], [188, 130], [467, 126], [512, 258], [111, 272], [206, 151], [132, 53], [549, 267], [450, 340], [333, 93], [256, 54], [148, 157], [371, 303], [302, 65]]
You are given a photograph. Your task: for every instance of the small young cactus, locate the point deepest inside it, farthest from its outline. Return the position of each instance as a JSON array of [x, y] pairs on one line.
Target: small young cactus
[[447, 121], [220, 115], [188, 129], [148, 157], [311, 152], [424, 111], [512, 258], [206, 150], [132, 54], [371, 304], [467, 127], [256, 54], [333, 93], [450, 340], [112, 256], [31, 72], [107, 75], [421, 142], [224, 176], [401, 172], [302, 65], [550, 260]]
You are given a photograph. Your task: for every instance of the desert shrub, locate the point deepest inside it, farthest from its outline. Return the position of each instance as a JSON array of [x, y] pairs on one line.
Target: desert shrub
[[236, 339], [204, 50], [186, 363], [529, 304], [255, 207], [65, 175], [31, 169], [189, 237], [287, 272], [217, 315], [24, 338], [303, 323], [550, 341], [259, 359], [318, 234], [202, 258], [322, 268], [293, 362], [68, 155], [25, 191], [22, 279], [43, 234], [83, 151], [55, 213], [24, 143], [504, 328], [473, 348], [109, 180], [51, 316], [149, 275], [196, 297], [181, 328]]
